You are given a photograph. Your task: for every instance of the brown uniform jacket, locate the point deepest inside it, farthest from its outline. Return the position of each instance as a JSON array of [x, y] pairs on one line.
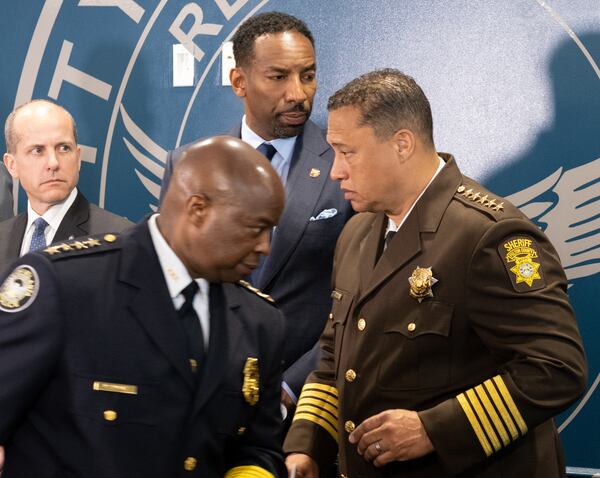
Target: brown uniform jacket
[[487, 360]]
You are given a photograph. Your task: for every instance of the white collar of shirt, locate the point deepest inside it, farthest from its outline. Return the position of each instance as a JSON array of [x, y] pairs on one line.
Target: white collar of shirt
[[392, 226], [53, 216], [283, 146], [178, 278]]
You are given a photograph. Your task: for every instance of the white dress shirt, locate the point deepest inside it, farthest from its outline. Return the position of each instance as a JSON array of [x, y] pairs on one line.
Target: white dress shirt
[[178, 278]]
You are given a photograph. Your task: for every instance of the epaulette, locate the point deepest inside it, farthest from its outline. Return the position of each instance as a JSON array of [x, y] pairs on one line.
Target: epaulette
[[81, 246], [246, 285], [482, 200]]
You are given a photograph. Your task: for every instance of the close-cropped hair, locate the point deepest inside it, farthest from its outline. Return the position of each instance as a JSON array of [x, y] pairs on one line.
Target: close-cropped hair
[[264, 24], [388, 100], [11, 136]]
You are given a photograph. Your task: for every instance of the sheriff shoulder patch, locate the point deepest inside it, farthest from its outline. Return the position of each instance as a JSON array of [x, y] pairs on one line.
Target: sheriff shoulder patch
[[520, 257], [19, 289]]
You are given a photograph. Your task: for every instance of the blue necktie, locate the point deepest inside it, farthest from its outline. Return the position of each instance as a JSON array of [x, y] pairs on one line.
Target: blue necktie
[[268, 150], [38, 239]]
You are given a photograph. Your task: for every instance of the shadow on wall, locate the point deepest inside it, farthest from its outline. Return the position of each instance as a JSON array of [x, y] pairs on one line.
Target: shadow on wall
[[557, 184]]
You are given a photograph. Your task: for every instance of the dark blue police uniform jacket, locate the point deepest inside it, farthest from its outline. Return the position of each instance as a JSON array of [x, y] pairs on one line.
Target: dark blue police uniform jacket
[[95, 381]]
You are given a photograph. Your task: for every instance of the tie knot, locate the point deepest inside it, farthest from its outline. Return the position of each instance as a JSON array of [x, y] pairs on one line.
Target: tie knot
[[268, 150], [40, 224], [190, 291]]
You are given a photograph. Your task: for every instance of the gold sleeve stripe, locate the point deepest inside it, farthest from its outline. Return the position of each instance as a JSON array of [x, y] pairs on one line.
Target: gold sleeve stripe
[[487, 426], [483, 441], [325, 406], [514, 411], [318, 421], [320, 413], [323, 397], [483, 398], [248, 472], [502, 409], [321, 387]]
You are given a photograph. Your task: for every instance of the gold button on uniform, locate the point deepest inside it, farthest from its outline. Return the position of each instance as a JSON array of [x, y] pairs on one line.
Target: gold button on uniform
[[190, 463], [350, 375], [411, 327], [349, 426], [362, 323], [110, 415], [330, 316], [461, 189], [110, 238]]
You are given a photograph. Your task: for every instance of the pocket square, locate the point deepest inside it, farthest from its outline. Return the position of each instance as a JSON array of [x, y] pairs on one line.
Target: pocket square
[[324, 214]]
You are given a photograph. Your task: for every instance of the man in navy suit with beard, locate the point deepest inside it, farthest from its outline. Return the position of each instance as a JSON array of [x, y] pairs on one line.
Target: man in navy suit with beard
[[275, 77]]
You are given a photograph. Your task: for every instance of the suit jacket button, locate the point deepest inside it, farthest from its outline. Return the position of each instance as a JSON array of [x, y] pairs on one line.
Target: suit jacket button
[[110, 415], [411, 327], [350, 375], [190, 463], [362, 323], [349, 426]]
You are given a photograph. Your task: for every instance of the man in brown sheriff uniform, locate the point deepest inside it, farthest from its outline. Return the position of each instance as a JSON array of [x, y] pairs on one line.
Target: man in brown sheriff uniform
[[451, 343]]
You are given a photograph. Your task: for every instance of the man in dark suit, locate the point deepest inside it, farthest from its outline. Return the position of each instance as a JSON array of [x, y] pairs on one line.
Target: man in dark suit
[[42, 153], [137, 356], [275, 76], [452, 343]]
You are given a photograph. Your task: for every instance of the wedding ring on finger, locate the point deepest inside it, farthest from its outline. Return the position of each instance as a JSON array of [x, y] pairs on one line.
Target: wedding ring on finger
[[378, 447]]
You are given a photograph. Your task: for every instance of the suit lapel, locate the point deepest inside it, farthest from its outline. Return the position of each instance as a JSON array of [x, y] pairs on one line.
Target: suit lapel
[[225, 332], [405, 245], [73, 224], [151, 303], [303, 192], [16, 235]]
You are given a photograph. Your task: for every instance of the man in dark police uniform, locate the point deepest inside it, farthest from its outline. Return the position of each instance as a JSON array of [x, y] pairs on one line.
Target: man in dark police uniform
[[134, 355], [451, 343]]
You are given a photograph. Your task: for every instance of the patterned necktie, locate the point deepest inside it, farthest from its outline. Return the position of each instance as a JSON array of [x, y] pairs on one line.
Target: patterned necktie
[[268, 150], [192, 327], [38, 239]]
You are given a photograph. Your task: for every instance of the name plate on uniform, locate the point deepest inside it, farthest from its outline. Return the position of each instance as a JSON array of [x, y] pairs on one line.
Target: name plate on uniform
[[115, 388]]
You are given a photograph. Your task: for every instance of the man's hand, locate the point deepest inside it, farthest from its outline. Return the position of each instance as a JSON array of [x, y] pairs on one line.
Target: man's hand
[[393, 435], [304, 466]]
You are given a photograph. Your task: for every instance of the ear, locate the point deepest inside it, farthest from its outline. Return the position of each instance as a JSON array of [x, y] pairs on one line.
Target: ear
[[404, 142], [237, 77], [198, 207], [11, 165], [78, 153]]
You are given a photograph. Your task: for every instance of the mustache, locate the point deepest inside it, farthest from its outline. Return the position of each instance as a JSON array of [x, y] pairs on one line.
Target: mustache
[[297, 108]]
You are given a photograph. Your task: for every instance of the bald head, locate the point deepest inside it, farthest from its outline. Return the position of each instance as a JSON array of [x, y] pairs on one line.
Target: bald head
[[222, 201], [223, 168]]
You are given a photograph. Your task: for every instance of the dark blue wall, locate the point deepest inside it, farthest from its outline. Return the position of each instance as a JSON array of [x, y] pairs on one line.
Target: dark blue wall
[[514, 87]]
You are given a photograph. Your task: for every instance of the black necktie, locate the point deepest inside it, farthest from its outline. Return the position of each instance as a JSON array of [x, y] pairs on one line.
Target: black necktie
[[192, 327], [388, 237], [268, 150]]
